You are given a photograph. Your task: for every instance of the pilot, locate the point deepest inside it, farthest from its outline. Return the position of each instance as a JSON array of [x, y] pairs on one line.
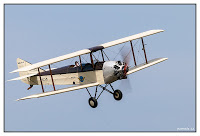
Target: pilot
[[76, 64]]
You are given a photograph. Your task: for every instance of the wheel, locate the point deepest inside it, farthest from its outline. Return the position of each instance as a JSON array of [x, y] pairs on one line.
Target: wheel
[[117, 95], [93, 102]]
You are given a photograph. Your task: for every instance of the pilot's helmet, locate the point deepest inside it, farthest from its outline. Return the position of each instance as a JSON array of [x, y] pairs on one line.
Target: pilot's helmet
[[76, 63]]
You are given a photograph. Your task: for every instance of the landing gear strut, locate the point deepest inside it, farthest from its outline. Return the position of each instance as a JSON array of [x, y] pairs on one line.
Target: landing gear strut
[[117, 94]]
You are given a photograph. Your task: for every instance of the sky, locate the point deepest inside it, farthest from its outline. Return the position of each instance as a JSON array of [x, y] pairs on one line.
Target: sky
[[159, 98]]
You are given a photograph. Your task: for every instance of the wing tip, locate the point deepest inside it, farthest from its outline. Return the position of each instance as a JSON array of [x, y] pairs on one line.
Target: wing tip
[[157, 30], [12, 71], [9, 80], [160, 30], [20, 99], [12, 79], [24, 98], [165, 58]]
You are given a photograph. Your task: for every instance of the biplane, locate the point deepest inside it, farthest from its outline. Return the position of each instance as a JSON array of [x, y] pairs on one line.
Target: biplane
[[84, 75]]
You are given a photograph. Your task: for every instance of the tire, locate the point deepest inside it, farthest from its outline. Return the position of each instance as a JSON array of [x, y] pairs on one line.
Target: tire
[[117, 95], [93, 102]]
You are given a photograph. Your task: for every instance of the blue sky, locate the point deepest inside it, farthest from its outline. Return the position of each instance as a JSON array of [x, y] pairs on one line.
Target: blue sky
[[161, 98]]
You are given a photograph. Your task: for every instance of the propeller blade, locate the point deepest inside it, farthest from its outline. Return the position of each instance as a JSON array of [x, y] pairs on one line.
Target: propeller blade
[[126, 85], [125, 54]]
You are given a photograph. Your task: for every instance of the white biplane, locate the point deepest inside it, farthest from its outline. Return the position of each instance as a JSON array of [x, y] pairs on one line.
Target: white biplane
[[84, 75]]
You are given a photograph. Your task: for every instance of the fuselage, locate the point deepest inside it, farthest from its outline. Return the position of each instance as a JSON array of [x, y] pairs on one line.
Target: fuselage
[[103, 73]]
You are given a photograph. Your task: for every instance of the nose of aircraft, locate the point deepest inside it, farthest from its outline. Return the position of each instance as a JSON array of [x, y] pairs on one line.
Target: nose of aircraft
[[125, 69]]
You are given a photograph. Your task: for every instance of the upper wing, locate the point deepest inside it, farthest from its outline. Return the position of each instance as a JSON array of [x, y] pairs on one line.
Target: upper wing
[[54, 60], [85, 51], [130, 38], [144, 65], [59, 91]]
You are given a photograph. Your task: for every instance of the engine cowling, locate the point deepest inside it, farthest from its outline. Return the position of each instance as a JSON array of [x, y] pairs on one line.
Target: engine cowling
[[114, 70]]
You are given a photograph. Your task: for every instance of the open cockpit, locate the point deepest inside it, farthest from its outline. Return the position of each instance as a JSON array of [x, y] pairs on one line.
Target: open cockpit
[[84, 67]]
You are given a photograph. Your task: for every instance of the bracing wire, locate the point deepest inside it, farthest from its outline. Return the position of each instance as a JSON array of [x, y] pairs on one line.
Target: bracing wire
[[84, 59], [106, 55], [139, 51], [120, 50], [95, 58], [98, 55]]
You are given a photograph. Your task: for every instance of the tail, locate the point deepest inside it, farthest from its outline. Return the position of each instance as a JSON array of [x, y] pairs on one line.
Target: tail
[[25, 74], [22, 63]]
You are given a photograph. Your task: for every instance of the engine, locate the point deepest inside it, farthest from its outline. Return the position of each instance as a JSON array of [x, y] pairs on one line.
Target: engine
[[114, 70]]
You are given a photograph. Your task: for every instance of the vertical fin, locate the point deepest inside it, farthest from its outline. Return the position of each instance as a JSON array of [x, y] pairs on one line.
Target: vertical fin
[[22, 63]]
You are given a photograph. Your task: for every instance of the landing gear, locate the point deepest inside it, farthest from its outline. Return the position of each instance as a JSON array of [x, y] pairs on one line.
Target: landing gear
[[117, 95], [93, 102]]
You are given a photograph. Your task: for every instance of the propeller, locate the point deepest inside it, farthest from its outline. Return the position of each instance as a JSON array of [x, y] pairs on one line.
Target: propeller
[[125, 55]]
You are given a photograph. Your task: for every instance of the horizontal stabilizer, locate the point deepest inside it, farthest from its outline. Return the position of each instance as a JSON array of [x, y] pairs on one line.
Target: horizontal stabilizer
[[59, 91], [22, 77], [144, 65]]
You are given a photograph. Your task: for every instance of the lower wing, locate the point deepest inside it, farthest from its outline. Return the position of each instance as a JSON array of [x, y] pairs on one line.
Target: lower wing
[[145, 65], [59, 91]]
